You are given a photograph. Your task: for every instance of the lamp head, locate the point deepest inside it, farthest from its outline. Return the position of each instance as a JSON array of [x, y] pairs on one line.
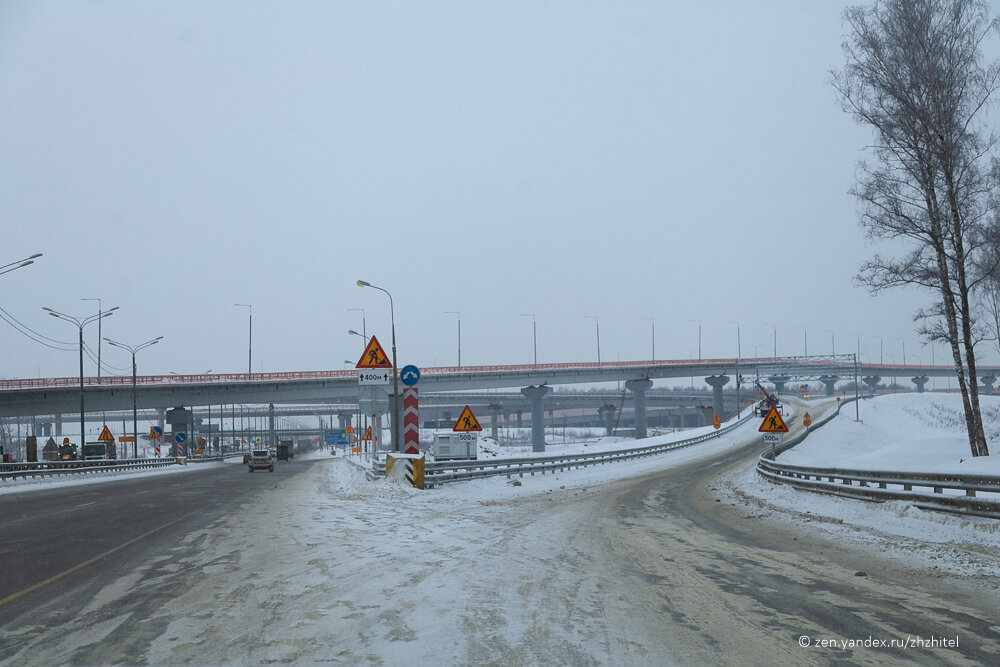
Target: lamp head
[[362, 283]]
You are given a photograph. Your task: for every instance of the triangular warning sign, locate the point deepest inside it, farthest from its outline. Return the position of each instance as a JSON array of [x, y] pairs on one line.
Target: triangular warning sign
[[368, 434], [467, 421], [374, 356], [773, 423], [106, 435], [349, 429]]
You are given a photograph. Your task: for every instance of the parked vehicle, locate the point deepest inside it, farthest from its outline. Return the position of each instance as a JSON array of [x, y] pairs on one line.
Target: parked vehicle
[[260, 459]]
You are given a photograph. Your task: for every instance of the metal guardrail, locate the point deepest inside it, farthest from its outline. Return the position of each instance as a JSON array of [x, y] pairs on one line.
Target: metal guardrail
[[56, 468], [881, 485], [457, 471]]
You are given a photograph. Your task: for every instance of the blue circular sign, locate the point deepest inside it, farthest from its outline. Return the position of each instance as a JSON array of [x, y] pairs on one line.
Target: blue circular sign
[[180, 437], [409, 375]]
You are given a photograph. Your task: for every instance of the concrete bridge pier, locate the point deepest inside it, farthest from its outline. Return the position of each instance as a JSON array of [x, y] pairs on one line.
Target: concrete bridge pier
[[58, 426], [831, 384], [607, 416], [495, 409], [920, 382], [639, 389], [988, 381], [520, 419], [872, 381], [537, 397], [344, 418], [717, 382], [707, 412], [779, 382]]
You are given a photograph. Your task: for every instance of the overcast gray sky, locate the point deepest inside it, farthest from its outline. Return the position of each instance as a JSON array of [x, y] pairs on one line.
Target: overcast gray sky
[[674, 161]]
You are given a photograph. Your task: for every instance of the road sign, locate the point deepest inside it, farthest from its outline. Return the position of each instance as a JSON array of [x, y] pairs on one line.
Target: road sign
[[374, 356], [807, 420], [716, 421], [374, 400], [126, 438], [409, 375], [334, 436], [773, 438], [180, 437], [368, 435], [467, 421], [349, 430], [376, 376], [155, 432], [105, 435], [773, 423]]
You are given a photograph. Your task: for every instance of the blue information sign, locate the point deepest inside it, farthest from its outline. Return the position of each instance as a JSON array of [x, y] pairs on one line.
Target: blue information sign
[[409, 375], [334, 436], [180, 437]]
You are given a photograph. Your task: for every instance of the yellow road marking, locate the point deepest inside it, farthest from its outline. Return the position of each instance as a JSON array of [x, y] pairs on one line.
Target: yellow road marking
[[14, 596]]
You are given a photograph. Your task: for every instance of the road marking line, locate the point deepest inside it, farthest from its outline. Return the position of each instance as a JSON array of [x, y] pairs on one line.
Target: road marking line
[[93, 502], [14, 596]]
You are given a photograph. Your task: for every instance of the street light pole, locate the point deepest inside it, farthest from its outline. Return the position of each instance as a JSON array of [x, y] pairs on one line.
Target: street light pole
[[80, 325], [833, 346], [98, 300], [249, 341], [135, 417], [395, 382], [13, 266], [364, 325], [455, 312], [739, 354], [534, 334], [775, 338], [805, 341], [597, 323], [652, 335], [699, 337]]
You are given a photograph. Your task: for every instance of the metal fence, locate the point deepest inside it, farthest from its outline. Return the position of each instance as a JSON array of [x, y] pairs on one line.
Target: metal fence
[[456, 471], [944, 492]]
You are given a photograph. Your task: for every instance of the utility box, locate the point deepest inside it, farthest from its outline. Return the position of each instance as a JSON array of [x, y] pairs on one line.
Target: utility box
[[456, 446]]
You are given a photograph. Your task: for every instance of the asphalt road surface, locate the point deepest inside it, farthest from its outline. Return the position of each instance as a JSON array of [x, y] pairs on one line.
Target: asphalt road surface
[[653, 570], [62, 546]]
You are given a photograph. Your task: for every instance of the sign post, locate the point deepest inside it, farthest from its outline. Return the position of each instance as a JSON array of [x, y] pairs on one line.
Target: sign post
[[374, 369]]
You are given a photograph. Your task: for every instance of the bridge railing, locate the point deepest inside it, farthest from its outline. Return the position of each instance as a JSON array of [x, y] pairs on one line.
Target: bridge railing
[[55, 468]]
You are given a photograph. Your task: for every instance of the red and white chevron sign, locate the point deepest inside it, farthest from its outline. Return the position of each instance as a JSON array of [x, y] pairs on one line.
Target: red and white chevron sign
[[411, 419]]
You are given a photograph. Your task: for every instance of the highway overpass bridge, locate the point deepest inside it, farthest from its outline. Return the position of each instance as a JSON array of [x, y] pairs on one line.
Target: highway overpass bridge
[[28, 398]]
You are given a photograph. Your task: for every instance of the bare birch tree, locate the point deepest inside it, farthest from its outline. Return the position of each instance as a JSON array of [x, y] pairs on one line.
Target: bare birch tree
[[914, 74]]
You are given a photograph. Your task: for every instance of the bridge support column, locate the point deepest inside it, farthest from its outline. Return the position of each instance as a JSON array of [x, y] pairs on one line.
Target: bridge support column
[[271, 437], [537, 397], [707, 412], [716, 382], [58, 425], [988, 381], [779, 382], [639, 389], [343, 419], [495, 409], [831, 384], [607, 414], [920, 382], [520, 420]]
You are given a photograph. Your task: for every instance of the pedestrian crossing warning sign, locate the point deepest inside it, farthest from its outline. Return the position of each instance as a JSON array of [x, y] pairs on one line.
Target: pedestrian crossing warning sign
[[773, 423], [374, 356], [368, 435], [467, 421]]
